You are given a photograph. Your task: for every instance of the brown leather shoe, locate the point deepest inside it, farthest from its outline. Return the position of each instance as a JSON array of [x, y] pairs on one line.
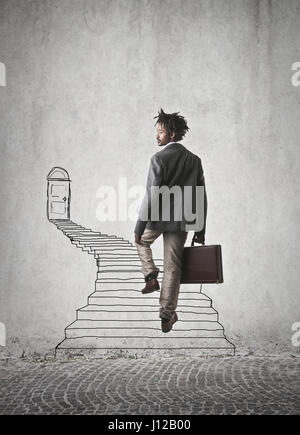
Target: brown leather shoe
[[166, 324], [151, 286]]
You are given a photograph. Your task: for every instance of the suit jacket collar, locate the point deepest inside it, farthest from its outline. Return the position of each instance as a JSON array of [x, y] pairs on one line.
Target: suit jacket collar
[[169, 144]]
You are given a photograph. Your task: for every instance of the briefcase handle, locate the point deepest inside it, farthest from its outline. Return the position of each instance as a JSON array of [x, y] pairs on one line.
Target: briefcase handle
[[193, 240]]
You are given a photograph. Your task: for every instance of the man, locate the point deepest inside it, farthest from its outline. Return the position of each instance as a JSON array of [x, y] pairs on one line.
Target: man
[[173, 167]]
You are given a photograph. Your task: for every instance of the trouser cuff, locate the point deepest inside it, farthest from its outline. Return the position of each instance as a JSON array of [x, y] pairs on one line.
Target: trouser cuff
[[151, 275]]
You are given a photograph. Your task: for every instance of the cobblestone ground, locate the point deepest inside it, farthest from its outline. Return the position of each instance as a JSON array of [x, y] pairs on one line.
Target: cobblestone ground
[[231, 385]]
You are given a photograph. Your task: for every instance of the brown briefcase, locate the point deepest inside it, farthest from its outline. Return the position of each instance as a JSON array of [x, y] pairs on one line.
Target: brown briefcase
[[202, 264]]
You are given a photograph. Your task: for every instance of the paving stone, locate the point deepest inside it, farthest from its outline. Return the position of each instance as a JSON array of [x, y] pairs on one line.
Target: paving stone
[[230, 385]]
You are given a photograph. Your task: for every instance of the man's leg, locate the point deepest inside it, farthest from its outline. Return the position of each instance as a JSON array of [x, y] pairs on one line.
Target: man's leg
[[145, 253], [173, 251]]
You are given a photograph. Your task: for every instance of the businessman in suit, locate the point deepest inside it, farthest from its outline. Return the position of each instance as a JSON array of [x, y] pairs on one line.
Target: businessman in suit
[[172, 168]]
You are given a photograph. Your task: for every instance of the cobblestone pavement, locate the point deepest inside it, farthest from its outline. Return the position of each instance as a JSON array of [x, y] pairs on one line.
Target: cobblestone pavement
[[230, 385]]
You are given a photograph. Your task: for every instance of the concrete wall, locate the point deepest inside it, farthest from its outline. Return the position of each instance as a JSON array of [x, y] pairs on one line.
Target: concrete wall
[[83, 82]]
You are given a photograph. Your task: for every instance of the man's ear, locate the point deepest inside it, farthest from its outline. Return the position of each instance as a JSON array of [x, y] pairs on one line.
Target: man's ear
[[172, 135]]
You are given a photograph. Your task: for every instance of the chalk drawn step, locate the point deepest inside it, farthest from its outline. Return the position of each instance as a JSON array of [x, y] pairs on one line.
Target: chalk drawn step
[[122, 274], [134, 292], [84, 235], [116, 251], [96, 313], [81, 328], [100, 243], [119, 267], [78, 347], [140, 303], [115, 256], [165, 341]]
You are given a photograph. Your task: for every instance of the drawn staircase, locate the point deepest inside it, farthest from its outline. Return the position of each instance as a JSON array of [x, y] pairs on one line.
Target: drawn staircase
[[119, 319]]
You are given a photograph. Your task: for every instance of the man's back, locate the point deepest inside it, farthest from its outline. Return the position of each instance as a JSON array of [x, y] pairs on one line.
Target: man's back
[[180, 166], [172, 166]]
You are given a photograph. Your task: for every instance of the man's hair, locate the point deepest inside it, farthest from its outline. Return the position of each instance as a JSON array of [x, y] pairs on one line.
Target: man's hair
[[173, 123]]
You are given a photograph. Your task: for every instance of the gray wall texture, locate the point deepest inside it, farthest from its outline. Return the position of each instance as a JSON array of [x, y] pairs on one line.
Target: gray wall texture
[[84, 80]]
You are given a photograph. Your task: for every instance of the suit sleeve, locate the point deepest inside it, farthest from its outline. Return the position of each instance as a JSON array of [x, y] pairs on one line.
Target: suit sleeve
[[155, 178], [201, 182]]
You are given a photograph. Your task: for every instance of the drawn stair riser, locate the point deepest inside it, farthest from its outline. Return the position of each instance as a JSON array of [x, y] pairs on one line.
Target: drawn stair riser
[[141, 309], [103, 263], [196, 297], [141, 305], [132, 283], [127, 275], [80, 349], [114, 256], [99, 245], [153, 333], [189, 318], [167, 341], [127, 268]]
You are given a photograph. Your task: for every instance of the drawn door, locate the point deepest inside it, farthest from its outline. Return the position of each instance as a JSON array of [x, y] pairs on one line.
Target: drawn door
[[59, 194]]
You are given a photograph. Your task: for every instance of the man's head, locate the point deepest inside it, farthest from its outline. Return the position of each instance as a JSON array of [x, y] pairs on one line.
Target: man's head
[[170, 127]]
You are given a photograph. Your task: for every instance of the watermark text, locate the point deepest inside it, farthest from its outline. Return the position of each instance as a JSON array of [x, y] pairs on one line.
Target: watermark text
[[2, 334], [160, 203], [296, 336], [2, 74]]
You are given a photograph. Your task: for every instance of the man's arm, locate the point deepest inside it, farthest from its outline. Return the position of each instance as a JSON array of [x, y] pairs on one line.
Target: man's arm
[[199, 236], [155, 178]]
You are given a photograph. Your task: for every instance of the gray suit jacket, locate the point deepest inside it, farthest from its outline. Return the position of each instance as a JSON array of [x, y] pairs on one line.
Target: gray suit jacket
[[174, 165]]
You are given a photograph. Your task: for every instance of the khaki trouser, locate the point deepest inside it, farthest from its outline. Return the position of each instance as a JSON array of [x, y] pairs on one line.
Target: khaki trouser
[[173, 249]]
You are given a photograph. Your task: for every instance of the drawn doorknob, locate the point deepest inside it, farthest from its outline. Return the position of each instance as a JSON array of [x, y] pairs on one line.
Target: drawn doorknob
[[64, 198]]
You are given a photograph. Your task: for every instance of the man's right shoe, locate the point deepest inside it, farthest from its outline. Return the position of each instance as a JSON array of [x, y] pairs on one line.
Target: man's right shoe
[[151, 286], [166, 324]]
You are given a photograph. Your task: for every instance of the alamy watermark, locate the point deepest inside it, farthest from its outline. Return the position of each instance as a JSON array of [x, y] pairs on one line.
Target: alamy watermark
[[2, 74], [159, 203], [2, 334], [295, 79], [296, 336]]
